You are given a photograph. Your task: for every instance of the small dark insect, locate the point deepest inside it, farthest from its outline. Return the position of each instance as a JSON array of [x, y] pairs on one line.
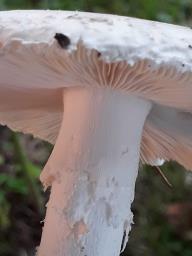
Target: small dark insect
[[190, 46], [62, 40]]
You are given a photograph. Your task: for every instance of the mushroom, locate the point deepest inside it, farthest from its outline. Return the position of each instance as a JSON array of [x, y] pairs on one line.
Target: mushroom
[[107, 91]]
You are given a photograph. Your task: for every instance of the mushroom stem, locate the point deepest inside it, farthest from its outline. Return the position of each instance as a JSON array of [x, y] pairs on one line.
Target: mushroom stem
[[92, 171]]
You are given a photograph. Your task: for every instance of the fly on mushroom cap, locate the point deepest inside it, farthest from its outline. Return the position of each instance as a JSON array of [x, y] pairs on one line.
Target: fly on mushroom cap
[[63, 40], [140, 78]]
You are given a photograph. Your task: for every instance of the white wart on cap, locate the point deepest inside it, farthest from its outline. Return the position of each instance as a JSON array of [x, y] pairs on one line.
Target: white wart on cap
[[51, 63]]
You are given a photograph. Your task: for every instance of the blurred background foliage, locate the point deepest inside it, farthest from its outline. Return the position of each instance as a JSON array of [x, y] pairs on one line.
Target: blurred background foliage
[[163, 215]]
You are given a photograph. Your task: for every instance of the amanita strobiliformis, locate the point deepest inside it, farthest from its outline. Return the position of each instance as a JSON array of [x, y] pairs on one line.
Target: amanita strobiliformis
[[107, 91]]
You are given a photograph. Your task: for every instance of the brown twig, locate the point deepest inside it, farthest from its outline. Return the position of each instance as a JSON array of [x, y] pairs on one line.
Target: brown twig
[[163, 176]]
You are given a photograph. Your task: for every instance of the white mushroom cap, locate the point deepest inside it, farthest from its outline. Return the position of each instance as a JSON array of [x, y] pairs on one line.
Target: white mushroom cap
[[147, 59]]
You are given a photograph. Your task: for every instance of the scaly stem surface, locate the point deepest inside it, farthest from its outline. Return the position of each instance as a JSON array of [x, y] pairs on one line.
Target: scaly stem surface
[[92, 171]]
